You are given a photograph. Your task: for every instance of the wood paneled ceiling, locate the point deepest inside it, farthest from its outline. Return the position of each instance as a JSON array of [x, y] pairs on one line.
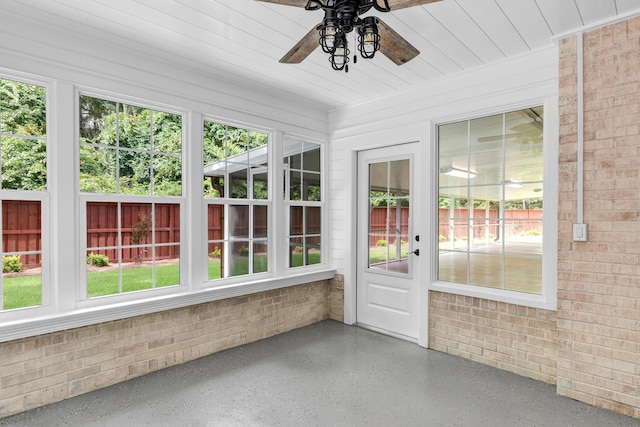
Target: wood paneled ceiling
[[243, 40]]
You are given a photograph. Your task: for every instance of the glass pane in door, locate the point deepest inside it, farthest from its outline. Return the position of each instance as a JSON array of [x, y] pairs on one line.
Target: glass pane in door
[[389, 201]]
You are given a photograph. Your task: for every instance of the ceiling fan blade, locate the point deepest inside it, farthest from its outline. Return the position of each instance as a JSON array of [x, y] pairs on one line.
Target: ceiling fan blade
[[297, 3], [303, 48], [394, 46], [401, 4]]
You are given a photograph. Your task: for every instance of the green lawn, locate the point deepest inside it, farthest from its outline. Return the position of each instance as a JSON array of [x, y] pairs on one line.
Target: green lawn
[[22, 291], [379, 253], [26, 291]]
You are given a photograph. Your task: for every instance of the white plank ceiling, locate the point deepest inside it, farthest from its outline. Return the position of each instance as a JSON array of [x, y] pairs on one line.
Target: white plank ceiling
[[243, 40]]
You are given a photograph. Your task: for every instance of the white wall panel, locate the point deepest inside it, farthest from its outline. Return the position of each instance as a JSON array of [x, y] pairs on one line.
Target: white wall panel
[[52, 52], [412, 116]]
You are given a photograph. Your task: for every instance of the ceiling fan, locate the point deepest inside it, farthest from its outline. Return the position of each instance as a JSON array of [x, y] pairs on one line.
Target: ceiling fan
[[341, 17]]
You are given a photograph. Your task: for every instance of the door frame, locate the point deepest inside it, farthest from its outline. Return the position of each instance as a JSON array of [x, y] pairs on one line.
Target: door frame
[[426, 177]]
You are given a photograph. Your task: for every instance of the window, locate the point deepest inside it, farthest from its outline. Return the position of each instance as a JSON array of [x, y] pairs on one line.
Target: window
[[236, 192], [302, 195], [490, 201], [131, 184], [23, 174]]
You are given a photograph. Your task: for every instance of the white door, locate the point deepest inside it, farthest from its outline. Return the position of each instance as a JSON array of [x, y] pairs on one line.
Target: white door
[[388, 288]]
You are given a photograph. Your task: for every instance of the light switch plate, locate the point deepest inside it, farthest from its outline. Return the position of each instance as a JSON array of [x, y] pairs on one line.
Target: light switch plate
[[579, 232]]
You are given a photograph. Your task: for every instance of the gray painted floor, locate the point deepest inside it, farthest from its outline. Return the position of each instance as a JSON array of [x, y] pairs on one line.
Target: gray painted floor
[[327, 374]]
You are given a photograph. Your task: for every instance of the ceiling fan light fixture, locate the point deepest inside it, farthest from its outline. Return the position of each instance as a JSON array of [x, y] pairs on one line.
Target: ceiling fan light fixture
[[368, 39], [340, 56], [457, 172], [328, 30]]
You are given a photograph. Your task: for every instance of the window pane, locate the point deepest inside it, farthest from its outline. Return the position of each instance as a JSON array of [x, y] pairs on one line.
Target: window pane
[[22, 108], [313, 250], [490, 205], [167, 175], [168, 269], [311, 187], [486, 270], [135, 173], [125, 149], [239, 258], [238, 181], [486, 133], [96, 116], [216, 252], [296, 249], [97, 170], [313, 220], [523, 274], [167, 132], [102, 279], [456, 139], [295, 185], [21, 254], [311, 157], [239, 221], [260, 186], [24, 164], [128, 251], [260, 258], [134, 128], [260, 222], [167, 223], [296, 219]]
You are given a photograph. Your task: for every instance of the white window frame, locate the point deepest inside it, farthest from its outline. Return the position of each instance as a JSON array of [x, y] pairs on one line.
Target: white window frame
[[64, 230], [548, 298], [322, 204], [84, 198], [226, 202], [46, 306]]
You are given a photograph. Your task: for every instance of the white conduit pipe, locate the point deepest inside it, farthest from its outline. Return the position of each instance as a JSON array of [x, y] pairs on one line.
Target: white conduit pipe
[[580, 131]]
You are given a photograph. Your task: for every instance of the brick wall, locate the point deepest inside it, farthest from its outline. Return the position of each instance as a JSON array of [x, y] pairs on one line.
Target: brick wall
[[48, 368], [510, 337], [336, 298], [598, 280]]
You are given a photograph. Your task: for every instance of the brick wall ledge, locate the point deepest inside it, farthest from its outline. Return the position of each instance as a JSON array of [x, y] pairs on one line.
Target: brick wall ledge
[[46, 324], [547, 302]]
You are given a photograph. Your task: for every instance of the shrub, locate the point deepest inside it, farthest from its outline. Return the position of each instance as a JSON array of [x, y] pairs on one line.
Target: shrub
[[216, 253], [97, 260], [244, 250], [441, 238], [532, 232], [381, 242], [11, 264]]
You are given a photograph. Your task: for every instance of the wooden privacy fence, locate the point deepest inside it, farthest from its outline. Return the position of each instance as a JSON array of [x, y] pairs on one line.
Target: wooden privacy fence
[[136, 229], [485, 223], [456, 222], [22, 230]]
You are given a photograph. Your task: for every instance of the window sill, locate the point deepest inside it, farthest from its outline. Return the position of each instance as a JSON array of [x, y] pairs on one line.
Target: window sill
[[510, 297], [107, 313]]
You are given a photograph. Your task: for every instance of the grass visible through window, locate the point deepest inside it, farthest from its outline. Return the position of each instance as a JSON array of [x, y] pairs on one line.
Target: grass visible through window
[[26, 290]]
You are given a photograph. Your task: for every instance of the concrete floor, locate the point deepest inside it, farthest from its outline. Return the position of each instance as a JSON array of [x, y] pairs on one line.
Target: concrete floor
[[327, 374]]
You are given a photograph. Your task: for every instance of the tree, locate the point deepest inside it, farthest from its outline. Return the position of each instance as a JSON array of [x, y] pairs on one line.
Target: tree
[[24, 153]]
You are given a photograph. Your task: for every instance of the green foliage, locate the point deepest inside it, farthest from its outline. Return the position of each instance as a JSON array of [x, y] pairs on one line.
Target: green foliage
[[243, 250], [222, 143], [97, 260], [24, 157], [381, 242], [532, 232], [216, 253], [144, 144], [11, 264], [441, 238]]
